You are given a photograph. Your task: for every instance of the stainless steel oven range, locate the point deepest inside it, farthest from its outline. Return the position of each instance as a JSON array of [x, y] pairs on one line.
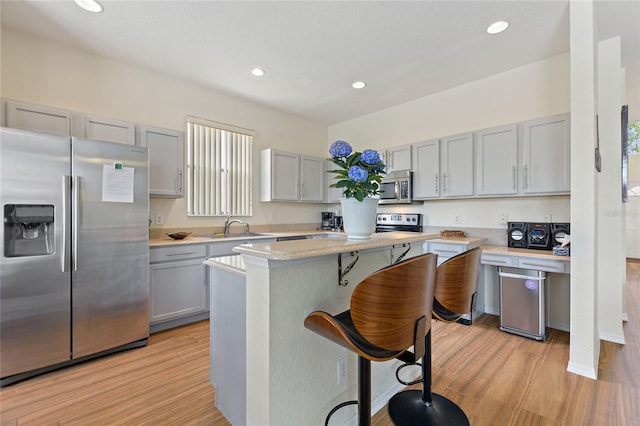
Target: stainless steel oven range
[[407, 222]]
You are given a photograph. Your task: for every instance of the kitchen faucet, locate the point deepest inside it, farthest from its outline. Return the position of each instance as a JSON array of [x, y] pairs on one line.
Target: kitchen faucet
[[227, 223]]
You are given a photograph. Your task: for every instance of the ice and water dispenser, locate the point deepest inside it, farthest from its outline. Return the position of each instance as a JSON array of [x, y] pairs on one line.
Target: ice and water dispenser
[[28, 230]]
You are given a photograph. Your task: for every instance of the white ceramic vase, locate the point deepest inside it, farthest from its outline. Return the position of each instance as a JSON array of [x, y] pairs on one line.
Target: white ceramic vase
[[359, 217]]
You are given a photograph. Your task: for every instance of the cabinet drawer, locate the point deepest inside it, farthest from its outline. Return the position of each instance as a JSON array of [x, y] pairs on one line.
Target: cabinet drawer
[[498, 260], [542, 264], [446, 250], [177, 252]]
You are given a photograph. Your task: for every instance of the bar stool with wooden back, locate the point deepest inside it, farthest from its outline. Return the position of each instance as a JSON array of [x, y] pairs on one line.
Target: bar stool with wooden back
[[454, 294], [390, 312]]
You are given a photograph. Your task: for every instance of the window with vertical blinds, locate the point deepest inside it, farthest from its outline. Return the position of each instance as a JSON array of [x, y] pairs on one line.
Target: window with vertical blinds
[[218, 169]]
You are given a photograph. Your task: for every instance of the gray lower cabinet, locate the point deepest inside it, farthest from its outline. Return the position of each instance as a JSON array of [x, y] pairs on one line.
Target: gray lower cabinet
[[179, 281], [178, 287]]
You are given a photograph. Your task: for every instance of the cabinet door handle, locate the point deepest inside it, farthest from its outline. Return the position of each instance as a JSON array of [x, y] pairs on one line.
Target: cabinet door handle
[[446, 251], [445, 183], [539, 265], [496, 261], [525, 178], [437, 187], [179, 180], [181, 254], [514, 177]]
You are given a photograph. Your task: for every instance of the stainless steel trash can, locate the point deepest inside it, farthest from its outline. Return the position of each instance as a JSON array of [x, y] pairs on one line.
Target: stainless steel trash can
[[522, 302]]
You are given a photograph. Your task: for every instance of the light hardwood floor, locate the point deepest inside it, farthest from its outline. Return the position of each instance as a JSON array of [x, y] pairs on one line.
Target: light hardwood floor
[[497, 378]]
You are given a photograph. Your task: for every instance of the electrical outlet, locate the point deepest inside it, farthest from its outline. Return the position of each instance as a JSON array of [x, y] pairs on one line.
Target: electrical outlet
[[343, 370], [546, 218], [159, 219], [457, 219], [502, 219]]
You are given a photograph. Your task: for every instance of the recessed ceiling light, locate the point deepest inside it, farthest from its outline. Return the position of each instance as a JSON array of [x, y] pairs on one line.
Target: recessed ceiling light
[[90, 5], [258, 72], [359, 85], [497, 27]]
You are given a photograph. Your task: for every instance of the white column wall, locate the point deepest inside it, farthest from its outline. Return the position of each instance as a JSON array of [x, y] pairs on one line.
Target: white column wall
[[610, 216], [584, 344]]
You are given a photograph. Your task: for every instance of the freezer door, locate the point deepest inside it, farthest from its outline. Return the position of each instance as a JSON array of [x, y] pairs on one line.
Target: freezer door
[[34, 287], [111, 241]]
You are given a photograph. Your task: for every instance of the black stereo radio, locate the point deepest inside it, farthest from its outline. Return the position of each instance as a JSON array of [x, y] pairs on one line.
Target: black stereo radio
[[536, 235]]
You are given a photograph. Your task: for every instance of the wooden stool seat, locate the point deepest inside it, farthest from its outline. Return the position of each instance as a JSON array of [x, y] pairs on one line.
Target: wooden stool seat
[[390, 311], [455, 290]]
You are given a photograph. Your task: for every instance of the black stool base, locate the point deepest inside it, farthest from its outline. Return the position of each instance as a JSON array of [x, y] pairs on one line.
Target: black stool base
[[408, 409]]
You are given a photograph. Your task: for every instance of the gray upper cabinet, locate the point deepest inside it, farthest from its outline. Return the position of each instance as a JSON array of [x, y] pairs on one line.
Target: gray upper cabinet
[[333, 194], [279, 175], [38, 118], [397, 158], [286, 176], [443, 167], [457, 165], [497, 161], [546, 162], [166, 160], [426, 169], [110, 130], [311, 178]]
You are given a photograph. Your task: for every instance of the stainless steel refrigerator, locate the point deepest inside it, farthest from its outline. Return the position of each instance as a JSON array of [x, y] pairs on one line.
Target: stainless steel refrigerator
[[75, 251]]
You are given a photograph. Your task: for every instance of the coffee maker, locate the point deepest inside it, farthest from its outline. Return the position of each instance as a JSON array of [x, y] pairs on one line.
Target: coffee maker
[[338, 223], [328, 221]]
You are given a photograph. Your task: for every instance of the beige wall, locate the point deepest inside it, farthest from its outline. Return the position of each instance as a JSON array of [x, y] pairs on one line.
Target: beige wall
[[37, 71], [532, 91]]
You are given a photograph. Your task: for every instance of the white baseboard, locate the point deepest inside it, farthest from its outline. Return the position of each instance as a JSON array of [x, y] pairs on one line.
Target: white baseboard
[[582, 370], [558, 326], [491, 310], [615, 338]]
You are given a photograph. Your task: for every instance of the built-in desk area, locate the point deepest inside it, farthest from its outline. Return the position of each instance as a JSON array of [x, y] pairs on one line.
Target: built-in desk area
[[557, 288]]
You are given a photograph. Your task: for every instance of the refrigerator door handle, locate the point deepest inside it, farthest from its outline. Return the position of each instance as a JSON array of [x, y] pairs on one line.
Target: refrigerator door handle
[[66, 185], [74, 216]]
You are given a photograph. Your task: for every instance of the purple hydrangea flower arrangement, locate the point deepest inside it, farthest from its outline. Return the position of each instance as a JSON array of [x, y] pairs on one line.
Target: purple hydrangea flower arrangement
[[359, 174]]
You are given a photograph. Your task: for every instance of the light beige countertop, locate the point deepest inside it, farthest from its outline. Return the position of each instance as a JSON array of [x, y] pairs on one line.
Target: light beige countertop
[[467, 241], [233, 264], [167, 241], [300, 249], [509, 251]]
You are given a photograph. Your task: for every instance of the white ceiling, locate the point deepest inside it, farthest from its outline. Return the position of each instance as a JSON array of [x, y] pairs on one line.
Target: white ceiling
[[313, 50]]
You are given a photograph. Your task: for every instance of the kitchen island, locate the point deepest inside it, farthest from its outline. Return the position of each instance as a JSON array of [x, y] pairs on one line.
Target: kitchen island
[[286, 374]]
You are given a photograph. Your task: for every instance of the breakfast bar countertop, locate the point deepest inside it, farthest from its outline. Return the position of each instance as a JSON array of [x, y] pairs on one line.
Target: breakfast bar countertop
[[336, 244]]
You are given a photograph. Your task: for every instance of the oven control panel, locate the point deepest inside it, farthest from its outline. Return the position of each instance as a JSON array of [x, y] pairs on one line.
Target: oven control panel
[[412, 219]]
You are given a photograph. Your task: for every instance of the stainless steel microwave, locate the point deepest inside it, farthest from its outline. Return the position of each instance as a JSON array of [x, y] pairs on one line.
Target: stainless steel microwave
[[397, 188]]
